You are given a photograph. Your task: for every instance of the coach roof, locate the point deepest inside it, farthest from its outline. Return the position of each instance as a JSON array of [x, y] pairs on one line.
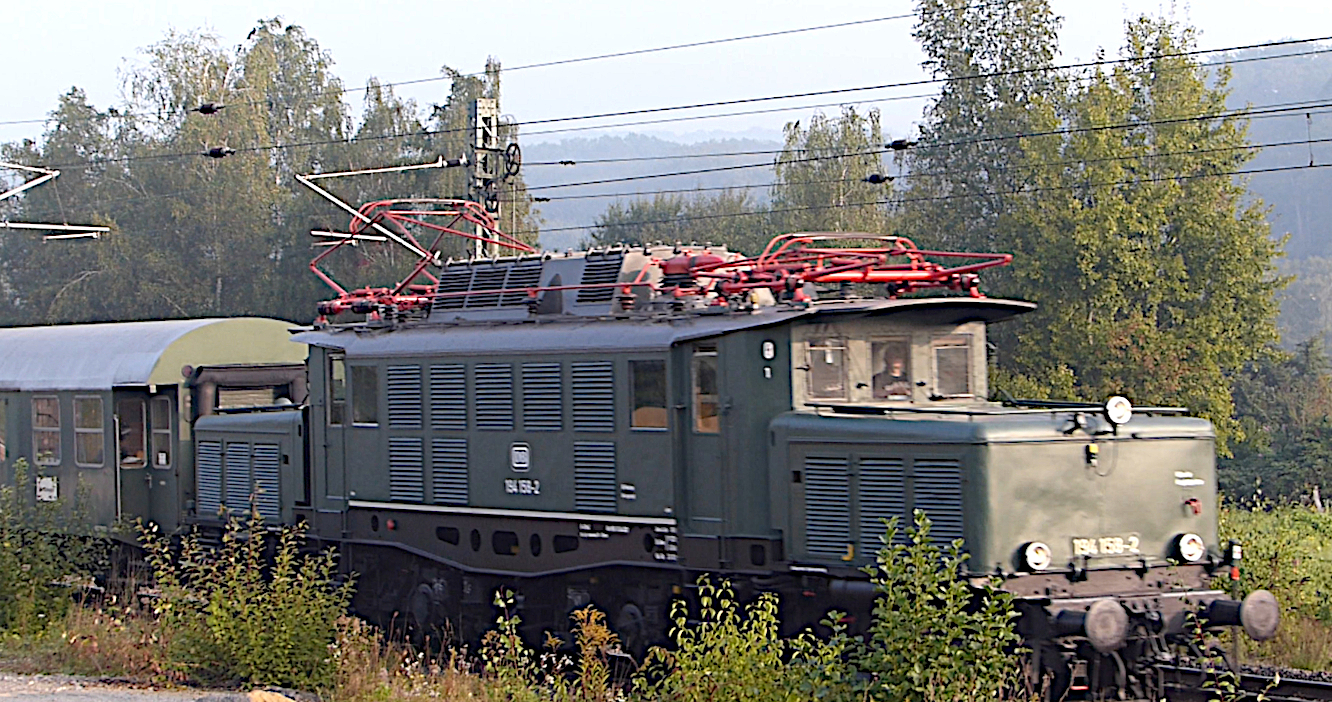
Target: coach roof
[[103, 356]]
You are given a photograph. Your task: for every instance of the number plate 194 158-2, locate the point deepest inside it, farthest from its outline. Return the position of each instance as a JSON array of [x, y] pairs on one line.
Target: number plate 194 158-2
[[1106, 545]]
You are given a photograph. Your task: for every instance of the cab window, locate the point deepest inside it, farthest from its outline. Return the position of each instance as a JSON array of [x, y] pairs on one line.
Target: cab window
[[706, 414], [826, 360], [337, 391], [892, 369], [952, 365]]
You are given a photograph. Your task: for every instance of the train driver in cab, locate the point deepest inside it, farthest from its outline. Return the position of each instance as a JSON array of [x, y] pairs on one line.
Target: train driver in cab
[[892, 376]]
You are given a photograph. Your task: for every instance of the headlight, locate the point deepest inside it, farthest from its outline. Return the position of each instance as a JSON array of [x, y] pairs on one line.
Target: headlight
[[1191, 548], [1036, 556], [1118, 410]]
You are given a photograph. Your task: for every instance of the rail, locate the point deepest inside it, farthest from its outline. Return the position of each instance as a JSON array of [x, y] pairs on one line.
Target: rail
[[1188, 684]]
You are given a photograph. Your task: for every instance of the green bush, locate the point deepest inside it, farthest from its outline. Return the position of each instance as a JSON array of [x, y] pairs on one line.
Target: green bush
[[236, 614], [47, 553], [930, 637], [734, 652]]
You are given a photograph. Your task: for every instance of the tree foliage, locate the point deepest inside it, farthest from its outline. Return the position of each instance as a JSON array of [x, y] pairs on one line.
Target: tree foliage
[[196, 236]]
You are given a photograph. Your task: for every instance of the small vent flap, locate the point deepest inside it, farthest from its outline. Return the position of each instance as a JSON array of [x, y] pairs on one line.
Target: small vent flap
[[208, 479], [593, 396], [543, 397], [404, 397], [448, 466], [406, 469], [827, 506], [882, 496], [238, 480], [594, 476], [448, 397], [494, 396], [267, 481], [600, 270], [937, 489]]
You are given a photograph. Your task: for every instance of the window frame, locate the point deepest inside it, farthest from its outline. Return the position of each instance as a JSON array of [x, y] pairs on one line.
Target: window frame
[[336, 402], [80, 431], [38, 430], [699, 353], [634, 406], [143, 432], [940, 341], [822, 344], [878, 341], [372, 372], [155, 431]]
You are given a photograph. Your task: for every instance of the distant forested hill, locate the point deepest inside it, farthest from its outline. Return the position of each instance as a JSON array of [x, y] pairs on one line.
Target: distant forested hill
[[580, 211], [1300, 200]]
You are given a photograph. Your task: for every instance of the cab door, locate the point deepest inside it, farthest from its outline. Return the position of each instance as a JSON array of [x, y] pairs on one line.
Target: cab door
[[132, 458], [703, 429]]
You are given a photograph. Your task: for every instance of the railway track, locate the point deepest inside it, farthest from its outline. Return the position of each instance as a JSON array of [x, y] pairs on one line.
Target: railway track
[[1186, 684]]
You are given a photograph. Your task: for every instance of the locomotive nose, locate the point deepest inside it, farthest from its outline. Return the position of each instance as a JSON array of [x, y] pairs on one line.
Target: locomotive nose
[[1259, 614]]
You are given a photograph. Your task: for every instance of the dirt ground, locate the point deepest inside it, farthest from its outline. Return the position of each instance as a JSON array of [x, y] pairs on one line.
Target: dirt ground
[[63, 688]]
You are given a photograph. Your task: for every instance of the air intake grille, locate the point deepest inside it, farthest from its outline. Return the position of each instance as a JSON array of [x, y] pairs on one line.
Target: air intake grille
[[238, 482], [208, 479], [937, 488], [487, 277], [267, 481], [882, 496], [404, 397], [453, 280], [599, 270], [543, 397], [406, 469], [594, 476], [494, 396], [827, 506], [593, 396], [448, 465], [525, 274], [448, 397]]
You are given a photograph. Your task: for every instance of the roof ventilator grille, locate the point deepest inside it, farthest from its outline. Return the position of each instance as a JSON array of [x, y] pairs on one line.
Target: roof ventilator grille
[[600, 270]]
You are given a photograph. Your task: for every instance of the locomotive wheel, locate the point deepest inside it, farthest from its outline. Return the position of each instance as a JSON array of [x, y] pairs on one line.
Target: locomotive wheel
[[632, 630]]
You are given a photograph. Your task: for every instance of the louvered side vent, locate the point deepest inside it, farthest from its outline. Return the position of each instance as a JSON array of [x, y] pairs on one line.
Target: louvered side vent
[[404, 397], [455, 281], [208, 479], [600, 270], [524, 274], [593, 396], [487, 277], [448, 471], [594, 476], [827, 506], [543, 397], [937, 489], [882, 496], [238, 481], [448, 397], [267, 481], [406, 469], [494, 396]]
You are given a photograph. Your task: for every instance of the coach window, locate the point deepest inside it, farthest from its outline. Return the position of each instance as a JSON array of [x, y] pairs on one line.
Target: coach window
[[337, 391], [161, 432], [952, 365], [648, 381], [46, 430], [826, 360], [89, 432], [133, 435], [365, 395], [706, 419]]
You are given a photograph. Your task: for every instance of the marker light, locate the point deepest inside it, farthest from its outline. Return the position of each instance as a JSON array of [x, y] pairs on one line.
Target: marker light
[[1036, 556], [1118, 410], [1191, 547]]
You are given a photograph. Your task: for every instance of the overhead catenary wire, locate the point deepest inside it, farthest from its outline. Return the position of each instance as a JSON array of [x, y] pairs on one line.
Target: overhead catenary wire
[[751, 100]]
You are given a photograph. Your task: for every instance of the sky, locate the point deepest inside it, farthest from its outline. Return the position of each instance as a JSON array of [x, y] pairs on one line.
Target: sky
[[91, 45]]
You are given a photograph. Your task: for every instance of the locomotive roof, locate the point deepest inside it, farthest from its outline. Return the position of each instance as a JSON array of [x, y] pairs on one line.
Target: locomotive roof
[[119, 354], [634, 333]]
